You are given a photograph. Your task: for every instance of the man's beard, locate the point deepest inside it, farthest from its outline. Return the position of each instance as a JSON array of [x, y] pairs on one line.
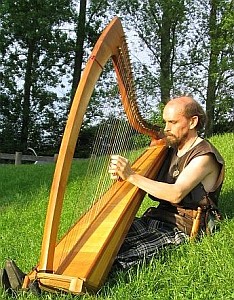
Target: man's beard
[[174, 141]]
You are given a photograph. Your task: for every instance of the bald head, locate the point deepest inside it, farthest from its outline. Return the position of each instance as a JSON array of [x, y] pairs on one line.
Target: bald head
[[181, 101], [188, 107]]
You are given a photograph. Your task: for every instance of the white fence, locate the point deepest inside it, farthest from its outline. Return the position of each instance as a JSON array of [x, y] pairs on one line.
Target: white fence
[[18, 157]]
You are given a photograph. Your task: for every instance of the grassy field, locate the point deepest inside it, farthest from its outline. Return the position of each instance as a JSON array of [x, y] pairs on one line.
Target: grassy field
[[200, 270]]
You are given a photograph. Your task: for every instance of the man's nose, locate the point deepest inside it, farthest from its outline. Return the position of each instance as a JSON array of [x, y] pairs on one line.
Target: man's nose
[[166, 128]]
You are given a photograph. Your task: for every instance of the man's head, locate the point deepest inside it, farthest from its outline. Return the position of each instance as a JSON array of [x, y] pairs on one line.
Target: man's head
[[183, 117]]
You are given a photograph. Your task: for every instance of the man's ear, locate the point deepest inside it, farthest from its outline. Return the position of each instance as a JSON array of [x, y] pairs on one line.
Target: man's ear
[[193, 122]]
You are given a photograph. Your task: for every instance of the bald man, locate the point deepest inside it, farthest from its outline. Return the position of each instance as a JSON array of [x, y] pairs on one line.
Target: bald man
[[190, 179]]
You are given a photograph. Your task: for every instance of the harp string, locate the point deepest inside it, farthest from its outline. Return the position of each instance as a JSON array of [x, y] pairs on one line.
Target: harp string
[[99, 161], [115, 134], [102, 184]]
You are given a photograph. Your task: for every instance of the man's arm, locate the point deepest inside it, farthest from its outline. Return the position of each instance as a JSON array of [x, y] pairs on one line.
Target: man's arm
[[202, 169]]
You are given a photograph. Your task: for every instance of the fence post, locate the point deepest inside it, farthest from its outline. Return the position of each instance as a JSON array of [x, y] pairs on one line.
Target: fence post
[[55, 157], [18, 158]]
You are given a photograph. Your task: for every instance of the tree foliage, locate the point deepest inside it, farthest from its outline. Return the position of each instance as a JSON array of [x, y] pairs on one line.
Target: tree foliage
[[190, 51], [179, 46], [32, 54], [42, 54]]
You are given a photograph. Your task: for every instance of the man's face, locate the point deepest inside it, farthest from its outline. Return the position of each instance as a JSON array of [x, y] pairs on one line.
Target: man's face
[[176, 124]]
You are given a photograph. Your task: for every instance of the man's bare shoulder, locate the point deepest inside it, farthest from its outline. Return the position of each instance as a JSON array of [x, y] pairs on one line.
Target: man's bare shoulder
[[206, 168]]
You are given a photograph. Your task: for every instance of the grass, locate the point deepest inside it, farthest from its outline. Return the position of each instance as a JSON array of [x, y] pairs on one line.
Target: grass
[[200, 270]]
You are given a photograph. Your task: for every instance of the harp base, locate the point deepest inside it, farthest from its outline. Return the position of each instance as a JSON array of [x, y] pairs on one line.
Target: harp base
[[54, 282]]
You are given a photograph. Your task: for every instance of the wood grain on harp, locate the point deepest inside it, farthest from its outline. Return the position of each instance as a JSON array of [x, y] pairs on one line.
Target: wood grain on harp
[[86, 264]]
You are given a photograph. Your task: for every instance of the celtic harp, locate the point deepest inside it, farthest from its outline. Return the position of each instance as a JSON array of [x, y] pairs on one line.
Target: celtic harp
[[86, 264]]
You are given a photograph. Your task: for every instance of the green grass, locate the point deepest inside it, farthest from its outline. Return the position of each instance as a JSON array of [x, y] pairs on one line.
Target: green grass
[[200, 270]]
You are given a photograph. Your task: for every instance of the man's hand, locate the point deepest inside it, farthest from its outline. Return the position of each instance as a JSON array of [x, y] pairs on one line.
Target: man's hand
[[120, 167]]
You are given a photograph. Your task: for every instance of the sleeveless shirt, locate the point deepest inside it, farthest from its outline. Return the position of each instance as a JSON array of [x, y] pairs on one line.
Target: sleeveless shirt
[[194, 199]]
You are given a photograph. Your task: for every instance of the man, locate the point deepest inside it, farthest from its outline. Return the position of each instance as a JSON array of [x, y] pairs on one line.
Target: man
[[190, 178]]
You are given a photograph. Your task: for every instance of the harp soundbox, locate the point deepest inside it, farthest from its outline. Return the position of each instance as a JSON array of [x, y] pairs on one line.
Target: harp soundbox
[[87, 262]]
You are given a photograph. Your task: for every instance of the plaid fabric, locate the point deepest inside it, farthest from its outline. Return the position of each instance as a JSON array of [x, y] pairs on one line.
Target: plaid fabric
[[145, 239]]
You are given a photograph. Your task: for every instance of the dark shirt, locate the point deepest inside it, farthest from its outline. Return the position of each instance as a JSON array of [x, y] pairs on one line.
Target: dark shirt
[[174, 165]]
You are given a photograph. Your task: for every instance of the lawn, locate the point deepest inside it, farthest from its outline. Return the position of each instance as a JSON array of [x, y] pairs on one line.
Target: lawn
[[199, 270]]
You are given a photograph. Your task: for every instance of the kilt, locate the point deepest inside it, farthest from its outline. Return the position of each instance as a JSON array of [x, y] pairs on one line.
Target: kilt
[[146, 237]]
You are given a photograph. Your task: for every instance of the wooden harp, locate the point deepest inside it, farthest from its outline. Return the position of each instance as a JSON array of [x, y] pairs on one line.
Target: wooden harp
[[88, 261]]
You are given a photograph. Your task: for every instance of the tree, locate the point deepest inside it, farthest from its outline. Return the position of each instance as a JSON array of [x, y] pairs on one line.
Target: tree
[[158, 25], [79, 46], [87, 32], [39, 50], [31, 53], [44, 45], [89, 22], [221, 58], [190, 44]]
